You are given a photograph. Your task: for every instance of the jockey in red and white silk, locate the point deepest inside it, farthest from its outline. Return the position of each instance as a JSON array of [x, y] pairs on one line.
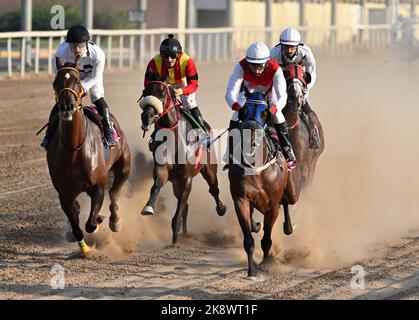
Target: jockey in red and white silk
[[259, 73]]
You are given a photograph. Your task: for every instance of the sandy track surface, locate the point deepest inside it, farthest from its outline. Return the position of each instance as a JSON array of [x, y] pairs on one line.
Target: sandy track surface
[[361, 210]]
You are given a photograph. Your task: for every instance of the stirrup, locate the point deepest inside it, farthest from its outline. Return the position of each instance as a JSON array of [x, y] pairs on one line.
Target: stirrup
[[44, 143], [110, 143], [205, 140]]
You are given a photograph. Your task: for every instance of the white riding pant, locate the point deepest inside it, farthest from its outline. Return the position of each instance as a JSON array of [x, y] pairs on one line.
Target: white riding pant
[[97, 92]]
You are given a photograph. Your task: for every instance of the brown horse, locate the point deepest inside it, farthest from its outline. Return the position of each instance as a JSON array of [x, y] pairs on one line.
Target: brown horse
[[160, 107], [301, 176], [77, 160], [257, 187]]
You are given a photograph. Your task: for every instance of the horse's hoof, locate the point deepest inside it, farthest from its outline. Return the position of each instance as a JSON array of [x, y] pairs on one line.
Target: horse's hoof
[[289, 228], [147, 211], [267, 260], [252, 274], [256, 227], [91, 228], [100, 218], [115, 226], [221, 210], [70, 237]]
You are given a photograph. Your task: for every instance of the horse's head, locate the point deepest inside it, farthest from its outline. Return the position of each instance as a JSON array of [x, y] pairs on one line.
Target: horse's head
[[297, 80], [157, 99], [252, 134], [68, 89], [255, 109]]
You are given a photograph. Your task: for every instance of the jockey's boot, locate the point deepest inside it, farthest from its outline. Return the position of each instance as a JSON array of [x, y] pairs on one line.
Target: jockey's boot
[[103, 109], [310, 122], [228, 156], [284, 142], [204, 138], [52, 126]]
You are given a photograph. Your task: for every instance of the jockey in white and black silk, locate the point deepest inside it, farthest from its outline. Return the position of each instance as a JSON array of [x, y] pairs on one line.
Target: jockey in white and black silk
[[91, 67]]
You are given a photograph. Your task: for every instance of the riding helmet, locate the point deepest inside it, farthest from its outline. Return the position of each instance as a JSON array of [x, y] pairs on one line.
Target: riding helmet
[[77, 34], [170, 46]]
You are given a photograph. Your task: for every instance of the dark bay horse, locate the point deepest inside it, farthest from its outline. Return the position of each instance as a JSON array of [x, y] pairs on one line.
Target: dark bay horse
[[297, 80], [77, 160], [257, 187], [161, 108]]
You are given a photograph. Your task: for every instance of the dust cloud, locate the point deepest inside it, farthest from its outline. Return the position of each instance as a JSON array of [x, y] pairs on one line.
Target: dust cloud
[[365, 187]]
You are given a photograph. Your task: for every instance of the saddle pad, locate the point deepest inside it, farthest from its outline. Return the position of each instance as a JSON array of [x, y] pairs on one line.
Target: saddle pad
[[92, 113]]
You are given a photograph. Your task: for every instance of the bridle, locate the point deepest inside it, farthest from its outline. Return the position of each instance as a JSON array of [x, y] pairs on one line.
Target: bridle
[[168, 104], [292, 80], [76, 95], [78, 107]]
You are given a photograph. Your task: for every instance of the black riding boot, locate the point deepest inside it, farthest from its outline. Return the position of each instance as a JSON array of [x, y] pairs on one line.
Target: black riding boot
[[309, 120], [228, 157], [52, 126], [103, 109], [198, 117], [285, 143]]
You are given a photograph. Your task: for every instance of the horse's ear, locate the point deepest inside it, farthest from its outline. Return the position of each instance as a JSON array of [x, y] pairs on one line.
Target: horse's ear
[[58, 63], [303, 61], [77, 62], [307, 77], [286, 74]]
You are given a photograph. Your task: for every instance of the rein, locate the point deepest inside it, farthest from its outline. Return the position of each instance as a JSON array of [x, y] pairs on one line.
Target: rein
[[78, 108], [168, 104], [76, 95]]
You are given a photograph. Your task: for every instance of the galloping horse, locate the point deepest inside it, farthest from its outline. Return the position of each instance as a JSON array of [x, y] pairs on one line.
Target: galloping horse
[[160, 107], [77, 160], [261, 190], [301, 176]]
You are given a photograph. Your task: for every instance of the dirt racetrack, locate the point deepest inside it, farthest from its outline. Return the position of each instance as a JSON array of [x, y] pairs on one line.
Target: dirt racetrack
[[362, 210]]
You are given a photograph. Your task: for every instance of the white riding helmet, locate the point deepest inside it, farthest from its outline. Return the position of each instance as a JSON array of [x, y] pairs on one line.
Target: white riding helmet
[[258, 52], [290, 37]]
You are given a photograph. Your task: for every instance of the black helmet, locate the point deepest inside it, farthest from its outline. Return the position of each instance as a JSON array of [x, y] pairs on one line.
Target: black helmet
[[77, 34], [170, 46]]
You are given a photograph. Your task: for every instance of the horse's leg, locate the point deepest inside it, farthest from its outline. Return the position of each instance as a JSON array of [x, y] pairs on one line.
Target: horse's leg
[[184, 219], [182, 190], [120, 171], [177, 192], [243, 215], [288, 228], [255, 226], [69, 207], [268, 223], [96, 194], [209, 172], [160, 176], [69, 234]]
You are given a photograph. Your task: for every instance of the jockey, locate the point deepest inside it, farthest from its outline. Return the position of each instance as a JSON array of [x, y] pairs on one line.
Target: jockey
[[259, 73], [91, 68], [291, 50], [179, 70]]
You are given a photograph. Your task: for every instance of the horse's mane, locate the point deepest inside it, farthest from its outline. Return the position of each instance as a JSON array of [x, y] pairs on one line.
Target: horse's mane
[[251, 125], [152, 76]]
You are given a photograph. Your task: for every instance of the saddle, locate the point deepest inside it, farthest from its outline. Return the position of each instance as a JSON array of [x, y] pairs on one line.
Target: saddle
[[92, 114]]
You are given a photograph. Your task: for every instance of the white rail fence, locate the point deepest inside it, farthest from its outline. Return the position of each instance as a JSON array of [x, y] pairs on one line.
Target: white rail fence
[[22, 52]]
